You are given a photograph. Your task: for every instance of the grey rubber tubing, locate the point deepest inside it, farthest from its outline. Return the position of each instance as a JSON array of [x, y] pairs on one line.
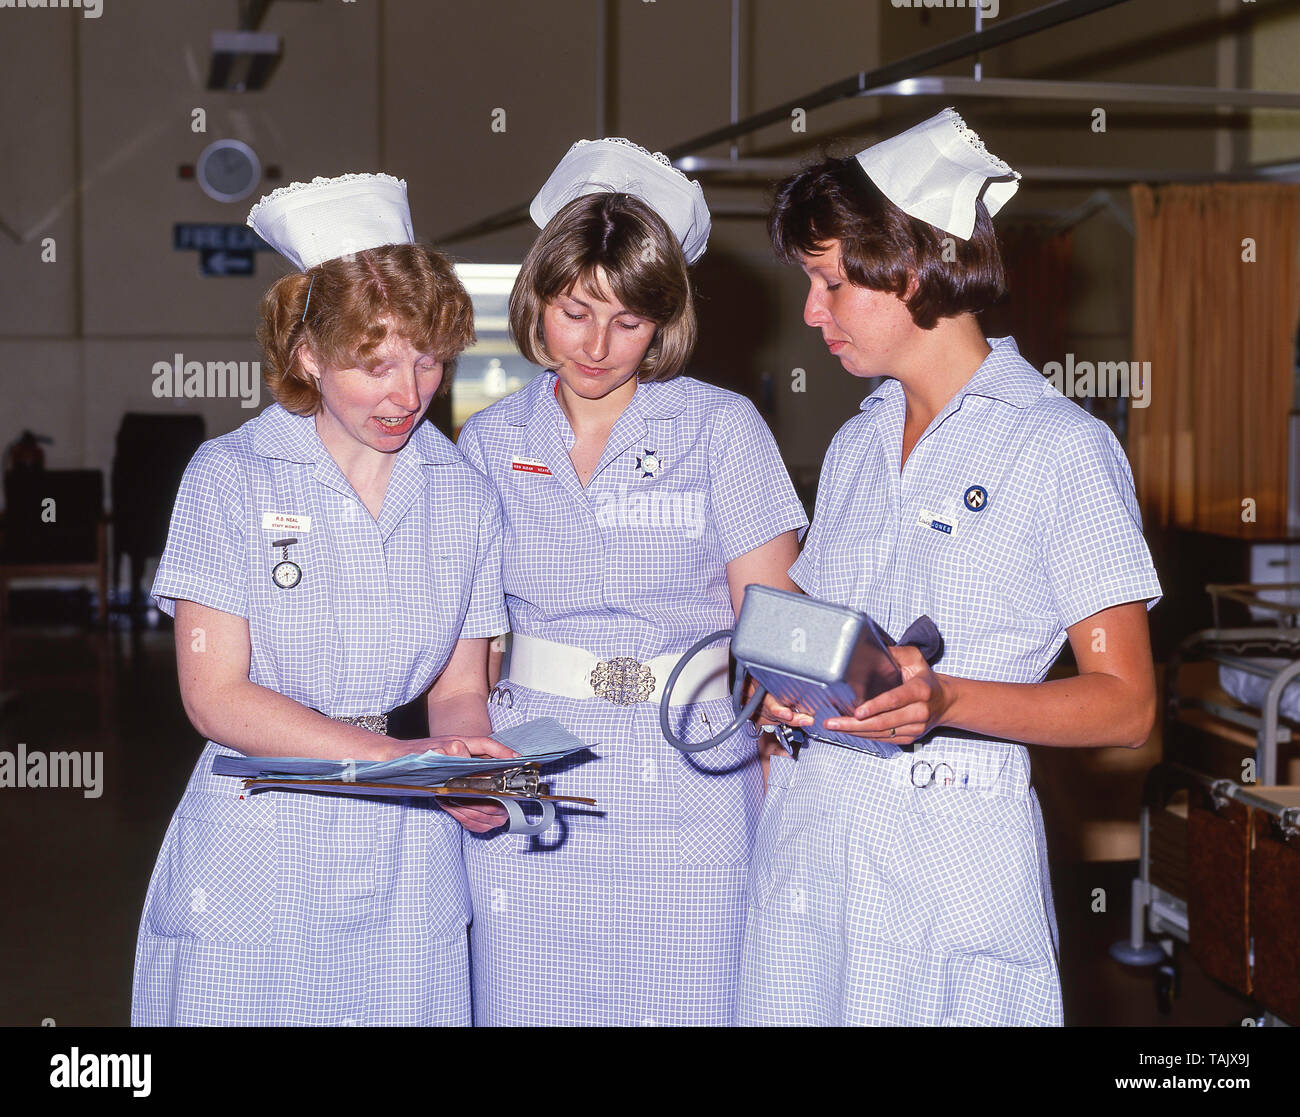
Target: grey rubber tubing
[[742, 714], [519, 823]]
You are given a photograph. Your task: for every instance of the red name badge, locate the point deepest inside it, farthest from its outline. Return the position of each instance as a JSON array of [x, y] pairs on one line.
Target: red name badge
[[529, 465]]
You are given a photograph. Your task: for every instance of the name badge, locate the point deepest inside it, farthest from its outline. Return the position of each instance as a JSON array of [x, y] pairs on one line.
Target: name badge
[[529, 465], [284, 522], [933, 520]]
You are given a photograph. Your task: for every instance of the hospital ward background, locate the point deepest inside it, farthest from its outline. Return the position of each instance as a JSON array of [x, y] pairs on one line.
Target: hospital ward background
[[1153, 256]]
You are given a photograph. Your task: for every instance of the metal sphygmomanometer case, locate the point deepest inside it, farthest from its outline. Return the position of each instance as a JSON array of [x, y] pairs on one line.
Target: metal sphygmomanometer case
[[820, 658]]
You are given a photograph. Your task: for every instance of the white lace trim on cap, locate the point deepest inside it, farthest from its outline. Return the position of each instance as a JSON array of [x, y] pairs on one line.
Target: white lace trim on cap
[[967, 133], [658, 156], [319, 180]]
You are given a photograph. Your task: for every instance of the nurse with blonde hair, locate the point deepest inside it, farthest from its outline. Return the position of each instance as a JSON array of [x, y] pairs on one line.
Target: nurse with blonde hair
[[638, 504]]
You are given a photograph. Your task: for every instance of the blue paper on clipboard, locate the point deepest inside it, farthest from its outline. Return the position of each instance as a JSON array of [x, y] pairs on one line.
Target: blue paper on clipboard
[[540, 741]]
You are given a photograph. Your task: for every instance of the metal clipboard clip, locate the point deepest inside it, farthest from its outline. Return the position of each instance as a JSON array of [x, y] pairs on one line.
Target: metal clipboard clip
[[511, 787]]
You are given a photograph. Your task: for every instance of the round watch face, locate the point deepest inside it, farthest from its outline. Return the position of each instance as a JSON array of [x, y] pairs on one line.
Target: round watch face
[[228, 170], [286, 574]]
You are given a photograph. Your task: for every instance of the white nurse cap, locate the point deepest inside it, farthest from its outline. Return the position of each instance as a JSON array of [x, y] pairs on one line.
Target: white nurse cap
[[311, 222], [618, 166], [936, 171]]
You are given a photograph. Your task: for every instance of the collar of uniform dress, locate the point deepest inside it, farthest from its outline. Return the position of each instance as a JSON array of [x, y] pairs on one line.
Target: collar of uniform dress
[[1005, 375], [656, 399], [278, 433]]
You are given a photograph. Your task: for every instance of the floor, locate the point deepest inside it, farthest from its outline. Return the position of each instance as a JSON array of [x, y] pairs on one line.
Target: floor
[[76, 867]]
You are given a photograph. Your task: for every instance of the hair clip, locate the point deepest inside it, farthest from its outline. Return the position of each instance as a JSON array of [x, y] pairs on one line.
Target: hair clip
[[308, 302]]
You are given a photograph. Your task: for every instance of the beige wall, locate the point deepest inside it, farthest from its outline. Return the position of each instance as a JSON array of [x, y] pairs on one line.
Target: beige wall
[[99, 119], [1273, 62], [106, 123]]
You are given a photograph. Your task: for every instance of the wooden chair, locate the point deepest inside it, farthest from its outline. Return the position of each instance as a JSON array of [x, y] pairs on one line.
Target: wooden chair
[[54, 526]]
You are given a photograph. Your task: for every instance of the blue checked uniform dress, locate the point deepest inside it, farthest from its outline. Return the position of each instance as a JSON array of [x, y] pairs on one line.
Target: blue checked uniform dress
[[873, 901], [630, 912], [287, 908]]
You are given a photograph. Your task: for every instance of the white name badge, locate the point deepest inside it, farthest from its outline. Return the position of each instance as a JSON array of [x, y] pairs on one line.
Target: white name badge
[[529, 465], [286, 522], [935, 520]]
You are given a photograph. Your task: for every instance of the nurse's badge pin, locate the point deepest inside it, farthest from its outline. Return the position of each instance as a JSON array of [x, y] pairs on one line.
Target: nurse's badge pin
[[649, 463], [286, 574], [976, 498]]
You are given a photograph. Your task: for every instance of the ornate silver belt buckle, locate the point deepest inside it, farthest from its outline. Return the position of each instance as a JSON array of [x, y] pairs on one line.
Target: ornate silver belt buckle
[[376, 723], [622, 680]]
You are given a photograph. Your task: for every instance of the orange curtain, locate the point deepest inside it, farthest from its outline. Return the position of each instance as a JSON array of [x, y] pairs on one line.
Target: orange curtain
[[1220, 333]]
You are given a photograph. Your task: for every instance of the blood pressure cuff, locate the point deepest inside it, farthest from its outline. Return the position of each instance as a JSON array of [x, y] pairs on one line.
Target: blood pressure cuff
[[923, 634]]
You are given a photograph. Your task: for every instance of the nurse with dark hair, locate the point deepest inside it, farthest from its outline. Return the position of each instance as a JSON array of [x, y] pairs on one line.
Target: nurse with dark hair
[[913, 889]]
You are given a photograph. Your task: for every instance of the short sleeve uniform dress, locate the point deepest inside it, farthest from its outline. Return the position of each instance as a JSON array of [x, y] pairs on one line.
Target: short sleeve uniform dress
[[286, 908], [914, 890], [630, 912]]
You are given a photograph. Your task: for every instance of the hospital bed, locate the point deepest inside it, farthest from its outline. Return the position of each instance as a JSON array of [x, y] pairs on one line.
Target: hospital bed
[[1219, 836]]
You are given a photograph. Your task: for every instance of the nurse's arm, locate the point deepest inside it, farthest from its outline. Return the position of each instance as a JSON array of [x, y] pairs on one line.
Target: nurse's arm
[[457, 700], [457, 704], [765, 565], [1110, 702], [213, 658]]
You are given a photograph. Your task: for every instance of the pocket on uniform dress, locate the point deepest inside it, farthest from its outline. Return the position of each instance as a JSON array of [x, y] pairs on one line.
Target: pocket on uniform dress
[[448, 903], [764, 867], [966, 866], [218, 877], [966, 804], [718, 794]]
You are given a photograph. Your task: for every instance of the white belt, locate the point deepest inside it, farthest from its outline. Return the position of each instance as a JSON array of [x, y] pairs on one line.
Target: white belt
[[575, 673]]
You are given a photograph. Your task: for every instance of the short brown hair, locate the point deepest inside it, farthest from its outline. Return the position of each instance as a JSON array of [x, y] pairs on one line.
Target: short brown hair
[[641, 260], [881, 247], [409, 285]]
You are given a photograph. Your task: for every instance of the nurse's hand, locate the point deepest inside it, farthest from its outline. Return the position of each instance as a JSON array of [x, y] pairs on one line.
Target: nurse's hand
[[773, 711], [905, 713], [390, 748], [476, 815], [470, 746]]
